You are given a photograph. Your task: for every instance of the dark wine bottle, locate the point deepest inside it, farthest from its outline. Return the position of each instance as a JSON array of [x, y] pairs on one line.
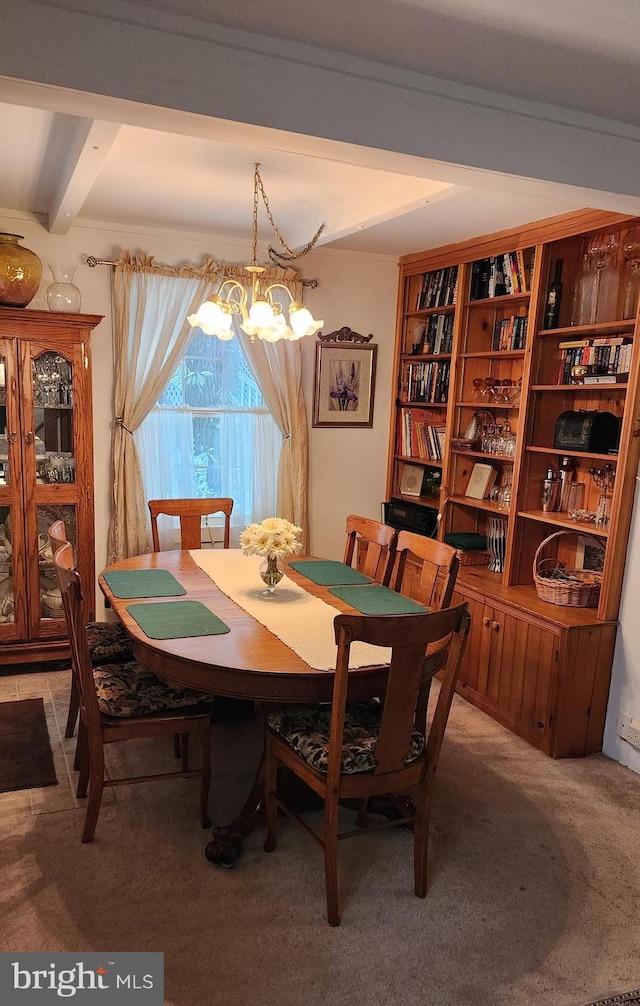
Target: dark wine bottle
[[554, 296]]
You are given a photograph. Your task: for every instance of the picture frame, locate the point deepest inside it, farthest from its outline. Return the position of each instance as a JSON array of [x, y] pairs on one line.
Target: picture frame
[[588, 554], [344, 385]]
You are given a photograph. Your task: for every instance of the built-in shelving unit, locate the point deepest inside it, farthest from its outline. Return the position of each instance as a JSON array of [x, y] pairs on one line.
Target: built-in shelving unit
[[541, 669]]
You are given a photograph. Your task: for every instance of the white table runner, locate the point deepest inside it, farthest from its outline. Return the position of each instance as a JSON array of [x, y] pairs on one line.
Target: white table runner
[[303, 622]]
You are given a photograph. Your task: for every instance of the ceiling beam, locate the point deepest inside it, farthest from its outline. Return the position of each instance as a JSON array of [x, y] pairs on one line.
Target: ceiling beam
[[87, 152]]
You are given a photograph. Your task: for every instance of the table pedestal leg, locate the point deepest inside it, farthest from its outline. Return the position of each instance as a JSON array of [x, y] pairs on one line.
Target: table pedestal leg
[[226, 839]]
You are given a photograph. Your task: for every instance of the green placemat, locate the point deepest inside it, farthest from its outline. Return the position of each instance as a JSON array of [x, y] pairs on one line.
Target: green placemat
[[143, 583], [377, 600], [176, 619], [328, 571]]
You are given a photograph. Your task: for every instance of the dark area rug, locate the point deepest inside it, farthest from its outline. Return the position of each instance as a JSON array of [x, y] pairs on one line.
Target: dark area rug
[[621, 999], [26, 759]]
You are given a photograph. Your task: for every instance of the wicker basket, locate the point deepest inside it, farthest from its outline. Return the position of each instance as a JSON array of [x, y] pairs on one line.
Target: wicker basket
[[575, 588], [473, 557]]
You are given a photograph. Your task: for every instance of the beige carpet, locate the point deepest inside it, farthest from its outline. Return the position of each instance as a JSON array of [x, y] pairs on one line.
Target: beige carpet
[[534, 893]]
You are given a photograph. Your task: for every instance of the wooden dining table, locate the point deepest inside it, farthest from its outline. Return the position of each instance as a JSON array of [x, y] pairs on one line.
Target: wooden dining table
[[247, 662]]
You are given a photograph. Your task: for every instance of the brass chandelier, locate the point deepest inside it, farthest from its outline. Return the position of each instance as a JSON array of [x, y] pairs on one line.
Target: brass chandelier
[[262, 310]]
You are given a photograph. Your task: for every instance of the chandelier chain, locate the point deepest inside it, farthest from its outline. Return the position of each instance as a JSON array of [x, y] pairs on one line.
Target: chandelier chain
[[289, 255]]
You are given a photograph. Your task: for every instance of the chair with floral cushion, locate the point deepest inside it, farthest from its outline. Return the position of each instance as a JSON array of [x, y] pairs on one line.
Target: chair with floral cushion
[[190, 512], [371, 545], [124, 701], [356, 750], [107, 640]]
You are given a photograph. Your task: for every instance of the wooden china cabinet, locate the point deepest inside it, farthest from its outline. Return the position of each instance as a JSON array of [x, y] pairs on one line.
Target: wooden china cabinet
[[489, 365], [46, 472]]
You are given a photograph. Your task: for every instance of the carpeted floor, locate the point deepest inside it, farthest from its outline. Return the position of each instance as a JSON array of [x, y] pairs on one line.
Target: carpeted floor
[[623, 999], [533, 900]]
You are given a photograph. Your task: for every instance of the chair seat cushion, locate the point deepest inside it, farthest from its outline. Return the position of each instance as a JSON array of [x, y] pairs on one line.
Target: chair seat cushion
[[306, 730], [131, 690], [108, 641]]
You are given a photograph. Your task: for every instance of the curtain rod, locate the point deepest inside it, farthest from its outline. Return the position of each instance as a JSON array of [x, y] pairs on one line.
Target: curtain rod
[[92, 262]]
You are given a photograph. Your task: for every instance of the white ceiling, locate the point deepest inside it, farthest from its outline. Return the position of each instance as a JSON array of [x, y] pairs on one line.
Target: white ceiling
[[68, 157]]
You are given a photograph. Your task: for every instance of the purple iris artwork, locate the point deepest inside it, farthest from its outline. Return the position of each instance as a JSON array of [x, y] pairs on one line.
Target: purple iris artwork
[[344, 385]]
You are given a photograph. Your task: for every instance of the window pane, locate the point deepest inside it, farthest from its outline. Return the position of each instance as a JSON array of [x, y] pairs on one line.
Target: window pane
[[213, 374]]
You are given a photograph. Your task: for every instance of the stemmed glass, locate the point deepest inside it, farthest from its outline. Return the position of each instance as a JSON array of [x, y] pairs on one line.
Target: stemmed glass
[[631, 249], [602, 250]]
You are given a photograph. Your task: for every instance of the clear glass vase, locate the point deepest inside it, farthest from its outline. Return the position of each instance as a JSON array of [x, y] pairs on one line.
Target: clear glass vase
[[63, 295], [271, 573]]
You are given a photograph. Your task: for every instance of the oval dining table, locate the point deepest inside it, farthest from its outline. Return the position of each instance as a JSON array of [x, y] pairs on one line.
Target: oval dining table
[[247, 662]]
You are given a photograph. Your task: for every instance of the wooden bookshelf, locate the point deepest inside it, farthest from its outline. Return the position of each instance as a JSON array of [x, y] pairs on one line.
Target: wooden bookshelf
[[541, 669]]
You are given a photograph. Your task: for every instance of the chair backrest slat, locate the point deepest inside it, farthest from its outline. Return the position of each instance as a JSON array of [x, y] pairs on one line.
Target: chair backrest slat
[[190, 512]]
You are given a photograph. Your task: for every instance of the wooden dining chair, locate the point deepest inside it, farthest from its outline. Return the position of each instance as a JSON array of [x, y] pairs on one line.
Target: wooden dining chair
[[426, 570], [190, 512], [355, 750], [370, 545], [108, 641], [125, 701]]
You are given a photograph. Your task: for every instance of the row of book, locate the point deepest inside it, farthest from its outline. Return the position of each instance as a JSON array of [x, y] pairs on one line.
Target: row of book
[[510, 333], [438, 288], [607, 359], [418, 437], [438, 335], [428, 382], [499, 276]]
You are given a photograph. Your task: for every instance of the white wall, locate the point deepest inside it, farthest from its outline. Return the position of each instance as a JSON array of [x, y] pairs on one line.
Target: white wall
[[347, 467], [624, 695]]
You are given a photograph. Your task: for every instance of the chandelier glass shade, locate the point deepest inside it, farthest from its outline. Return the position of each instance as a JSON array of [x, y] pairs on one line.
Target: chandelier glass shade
[[269, 314]]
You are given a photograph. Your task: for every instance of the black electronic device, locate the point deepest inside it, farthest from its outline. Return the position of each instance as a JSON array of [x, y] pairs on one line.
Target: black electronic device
[[410, 517]]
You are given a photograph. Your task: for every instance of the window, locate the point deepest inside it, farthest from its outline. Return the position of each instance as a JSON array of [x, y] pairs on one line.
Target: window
[[210, 434]]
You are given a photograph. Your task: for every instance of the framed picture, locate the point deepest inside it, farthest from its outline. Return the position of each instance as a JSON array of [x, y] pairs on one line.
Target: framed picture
[[589, 555], [344, 385]]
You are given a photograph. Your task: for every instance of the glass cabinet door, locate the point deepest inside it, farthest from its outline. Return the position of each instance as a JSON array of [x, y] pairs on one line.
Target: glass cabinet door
[[49, 592], [13, 606], [53, 418], [50, 440]]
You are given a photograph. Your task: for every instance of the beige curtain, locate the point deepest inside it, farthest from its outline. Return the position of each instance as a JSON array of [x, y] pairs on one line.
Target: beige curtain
[[151, 334], [278, 370]]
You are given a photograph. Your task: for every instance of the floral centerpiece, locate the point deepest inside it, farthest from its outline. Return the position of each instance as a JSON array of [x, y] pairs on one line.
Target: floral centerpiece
[[274, 539]]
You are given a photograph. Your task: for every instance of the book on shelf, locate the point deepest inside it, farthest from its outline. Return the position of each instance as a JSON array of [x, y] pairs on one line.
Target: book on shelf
[[481, 481], [420, 435], [499, 275], [438, 288], [603, 358], [427, 382], [510, 333]]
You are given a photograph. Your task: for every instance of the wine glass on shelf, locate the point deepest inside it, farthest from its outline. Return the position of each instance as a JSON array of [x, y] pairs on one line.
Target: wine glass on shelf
[[603, 249]]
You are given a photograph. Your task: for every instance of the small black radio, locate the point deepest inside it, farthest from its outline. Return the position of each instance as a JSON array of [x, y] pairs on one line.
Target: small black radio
[[410, 517]]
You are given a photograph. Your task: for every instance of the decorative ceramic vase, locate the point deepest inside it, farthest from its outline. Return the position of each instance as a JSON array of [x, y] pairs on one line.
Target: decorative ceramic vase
[[271, 574], [496, 544], [63, 295], [20, 272]]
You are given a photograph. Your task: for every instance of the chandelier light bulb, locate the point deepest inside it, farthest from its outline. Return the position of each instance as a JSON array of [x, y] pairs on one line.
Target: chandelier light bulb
[[261, 312], [302, 321]]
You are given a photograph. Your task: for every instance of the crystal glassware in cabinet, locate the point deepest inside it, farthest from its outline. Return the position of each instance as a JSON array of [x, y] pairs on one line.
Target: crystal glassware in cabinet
[[603, 249]]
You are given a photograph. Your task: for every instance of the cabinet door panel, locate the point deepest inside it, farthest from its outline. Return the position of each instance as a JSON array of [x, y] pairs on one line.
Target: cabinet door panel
[[13, 598], [474, 661]]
